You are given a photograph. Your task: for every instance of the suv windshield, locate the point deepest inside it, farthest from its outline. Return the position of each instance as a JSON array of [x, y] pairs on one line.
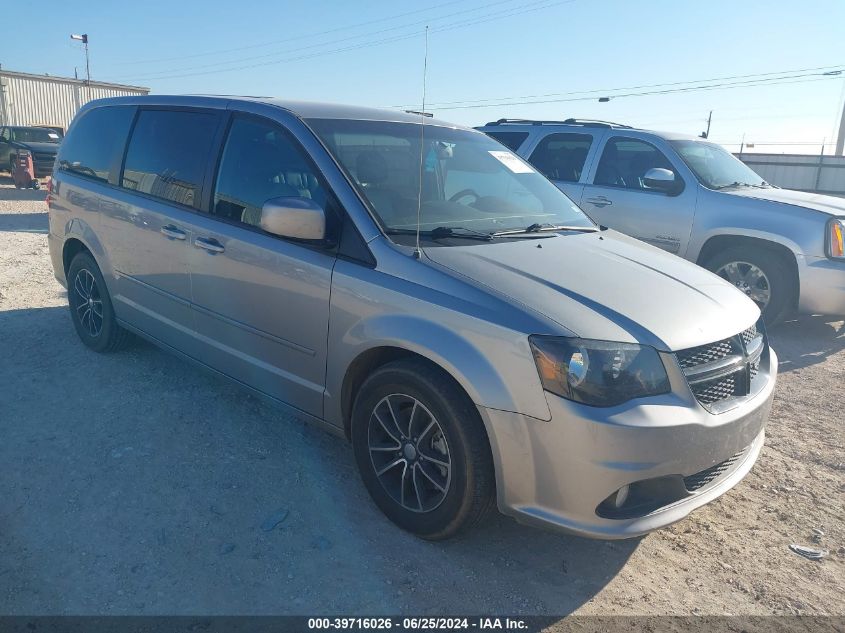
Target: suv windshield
[[34, 135], [468, 181], [715, 167]]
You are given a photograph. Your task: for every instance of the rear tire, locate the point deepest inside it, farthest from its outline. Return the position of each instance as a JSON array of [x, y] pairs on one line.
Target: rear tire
[[91, 308], [759, 273], [411, 414]]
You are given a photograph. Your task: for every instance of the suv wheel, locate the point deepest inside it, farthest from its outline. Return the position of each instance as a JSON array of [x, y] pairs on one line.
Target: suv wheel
[[422, 450], [91, 308], [761, 275]]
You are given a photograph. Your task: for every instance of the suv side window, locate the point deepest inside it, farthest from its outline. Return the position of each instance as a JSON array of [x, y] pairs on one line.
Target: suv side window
[[97, 139], [625, 161], [562, 156], [168, 152], [511, 140], [261, 161], [4, 135]]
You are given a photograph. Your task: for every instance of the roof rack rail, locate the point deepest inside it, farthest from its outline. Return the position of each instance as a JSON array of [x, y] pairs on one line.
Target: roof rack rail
[[584, 122]]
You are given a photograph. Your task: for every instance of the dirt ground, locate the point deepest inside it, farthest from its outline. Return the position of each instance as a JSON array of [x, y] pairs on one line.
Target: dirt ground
[[136, 484]]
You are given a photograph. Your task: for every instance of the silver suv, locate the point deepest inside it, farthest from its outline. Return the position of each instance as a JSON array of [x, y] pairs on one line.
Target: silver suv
[[693, 198], [515, 352]]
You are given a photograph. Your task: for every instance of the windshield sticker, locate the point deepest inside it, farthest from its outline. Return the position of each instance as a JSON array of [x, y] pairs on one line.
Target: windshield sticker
[[511, 162], [52, 135]]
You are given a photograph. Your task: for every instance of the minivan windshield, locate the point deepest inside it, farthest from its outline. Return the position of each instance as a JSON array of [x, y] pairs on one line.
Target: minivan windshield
[[715, 167], [34, 135], [469, 184]]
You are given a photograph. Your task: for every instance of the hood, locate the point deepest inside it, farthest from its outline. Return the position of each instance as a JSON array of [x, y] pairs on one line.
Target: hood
[[607, 286], [47, 148], [830, 205]]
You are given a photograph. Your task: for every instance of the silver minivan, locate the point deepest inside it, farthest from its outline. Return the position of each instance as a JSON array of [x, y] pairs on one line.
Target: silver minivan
[[415, 287]]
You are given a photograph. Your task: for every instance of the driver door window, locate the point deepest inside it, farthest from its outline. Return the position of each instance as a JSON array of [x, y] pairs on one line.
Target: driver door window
[[260, 162], [625, 161]]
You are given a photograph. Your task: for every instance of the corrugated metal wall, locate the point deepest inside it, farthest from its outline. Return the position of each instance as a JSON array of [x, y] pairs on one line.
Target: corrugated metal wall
[[31, 99], [818, 174]]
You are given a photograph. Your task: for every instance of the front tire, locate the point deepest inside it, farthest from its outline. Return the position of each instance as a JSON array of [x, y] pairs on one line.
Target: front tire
[[422, 450], [761, 275], [91, 308]]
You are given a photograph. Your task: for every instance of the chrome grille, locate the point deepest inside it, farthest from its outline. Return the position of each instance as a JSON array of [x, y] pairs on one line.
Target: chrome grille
[[715, 390], [705, 354], [720, 372], [700, 479]]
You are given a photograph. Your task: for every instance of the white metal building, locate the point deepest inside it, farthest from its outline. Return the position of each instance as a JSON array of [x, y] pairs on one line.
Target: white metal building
[[27, 99], [814, 173]]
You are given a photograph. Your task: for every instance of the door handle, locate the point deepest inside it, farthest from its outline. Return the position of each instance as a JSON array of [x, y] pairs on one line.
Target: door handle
[[599, 201], [172, 232], [209, 244]]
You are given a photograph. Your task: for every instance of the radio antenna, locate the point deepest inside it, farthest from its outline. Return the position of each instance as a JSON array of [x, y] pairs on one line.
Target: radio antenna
[[417, 250]]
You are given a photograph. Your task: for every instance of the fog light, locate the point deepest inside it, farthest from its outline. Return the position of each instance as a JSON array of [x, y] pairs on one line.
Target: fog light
[[621, 496]]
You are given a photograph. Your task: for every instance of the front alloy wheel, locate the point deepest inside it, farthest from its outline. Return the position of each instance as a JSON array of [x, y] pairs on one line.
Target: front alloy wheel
[[409, 453], [750, 279]]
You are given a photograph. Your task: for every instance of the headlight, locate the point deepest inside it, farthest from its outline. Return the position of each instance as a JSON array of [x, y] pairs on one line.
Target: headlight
[[598, 373], [835, 242]]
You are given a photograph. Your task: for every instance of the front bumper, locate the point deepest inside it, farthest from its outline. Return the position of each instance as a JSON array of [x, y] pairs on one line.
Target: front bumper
[[822, 286], [557, 473]]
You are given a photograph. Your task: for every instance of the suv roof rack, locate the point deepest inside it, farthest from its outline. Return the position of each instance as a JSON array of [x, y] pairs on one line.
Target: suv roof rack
[[584, 122]]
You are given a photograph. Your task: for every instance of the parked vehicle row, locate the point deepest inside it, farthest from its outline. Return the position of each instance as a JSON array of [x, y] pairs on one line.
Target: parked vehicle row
[[417, 287], [693, 198]]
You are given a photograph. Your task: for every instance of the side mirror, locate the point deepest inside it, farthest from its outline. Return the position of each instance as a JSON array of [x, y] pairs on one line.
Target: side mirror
[[299, 218], [661, 179]]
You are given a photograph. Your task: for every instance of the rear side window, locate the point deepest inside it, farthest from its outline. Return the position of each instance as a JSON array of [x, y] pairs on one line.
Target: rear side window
[[562, 156], [168, 153], [96, 141], [511, 140]]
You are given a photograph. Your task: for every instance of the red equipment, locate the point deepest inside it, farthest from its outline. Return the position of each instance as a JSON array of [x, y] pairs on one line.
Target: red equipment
[[24, 172]]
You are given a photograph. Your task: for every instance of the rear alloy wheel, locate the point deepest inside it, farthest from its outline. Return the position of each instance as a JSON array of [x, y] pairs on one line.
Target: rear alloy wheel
[[422, 450], [90, 306], [761, 275]]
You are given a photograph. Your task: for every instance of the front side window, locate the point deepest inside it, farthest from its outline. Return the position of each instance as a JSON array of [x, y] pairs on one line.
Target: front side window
[[168, 153], [562, 156], [463, 179], [96, 140], [4, 135], [260, 162], [715, 167], [625, 162]]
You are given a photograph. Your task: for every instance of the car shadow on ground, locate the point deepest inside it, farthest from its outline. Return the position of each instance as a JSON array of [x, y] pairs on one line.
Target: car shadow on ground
[[162, 479], [806, 340], [9, 192], [24, 222]]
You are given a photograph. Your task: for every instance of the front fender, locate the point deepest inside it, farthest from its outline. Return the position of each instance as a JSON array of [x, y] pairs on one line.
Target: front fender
[[492, 363]]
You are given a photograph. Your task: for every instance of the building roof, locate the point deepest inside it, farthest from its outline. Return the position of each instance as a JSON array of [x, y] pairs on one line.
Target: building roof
[[71, 80]]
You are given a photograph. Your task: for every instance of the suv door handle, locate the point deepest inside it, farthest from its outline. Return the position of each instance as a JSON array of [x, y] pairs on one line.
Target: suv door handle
[[172, 232], [209, 244], [599, 201]]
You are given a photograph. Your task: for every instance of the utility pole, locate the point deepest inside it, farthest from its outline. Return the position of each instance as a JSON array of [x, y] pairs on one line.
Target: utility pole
[[84, 39], [840, 138], [709, 119]]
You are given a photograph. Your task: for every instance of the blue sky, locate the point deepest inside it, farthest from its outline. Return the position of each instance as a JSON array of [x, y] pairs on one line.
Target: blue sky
[[493, 50]]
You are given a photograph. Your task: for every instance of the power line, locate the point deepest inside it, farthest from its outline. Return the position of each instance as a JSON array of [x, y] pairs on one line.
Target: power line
[[722, 86], [537, 5], [608, 90], [295, 37]]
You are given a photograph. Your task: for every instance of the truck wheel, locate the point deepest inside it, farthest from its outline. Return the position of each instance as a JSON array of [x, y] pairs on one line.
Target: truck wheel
[[761, 275], [422, 450], [91, 308]]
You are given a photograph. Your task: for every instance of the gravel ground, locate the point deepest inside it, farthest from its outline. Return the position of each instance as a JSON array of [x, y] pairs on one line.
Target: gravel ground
[[136, 484]]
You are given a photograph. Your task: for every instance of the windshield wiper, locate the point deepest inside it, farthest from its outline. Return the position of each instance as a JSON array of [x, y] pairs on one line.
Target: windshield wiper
[[442, 232], [540, 228], [762, 185]]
